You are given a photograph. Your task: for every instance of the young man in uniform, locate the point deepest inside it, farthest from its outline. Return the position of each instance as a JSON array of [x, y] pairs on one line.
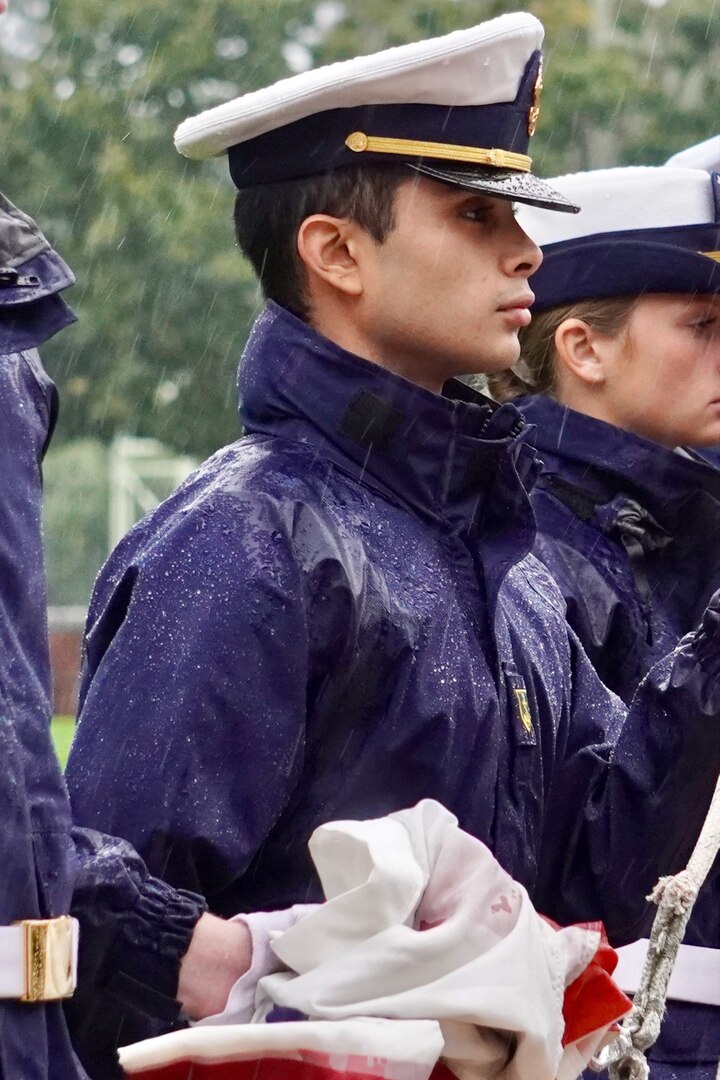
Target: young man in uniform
[[338, 615]]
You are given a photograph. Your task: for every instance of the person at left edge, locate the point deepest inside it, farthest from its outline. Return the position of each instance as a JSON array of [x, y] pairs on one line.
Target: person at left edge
[[35, 849], [141, 940]]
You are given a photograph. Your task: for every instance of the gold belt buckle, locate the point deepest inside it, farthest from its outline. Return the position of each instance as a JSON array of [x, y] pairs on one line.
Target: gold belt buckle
[[49, 958]]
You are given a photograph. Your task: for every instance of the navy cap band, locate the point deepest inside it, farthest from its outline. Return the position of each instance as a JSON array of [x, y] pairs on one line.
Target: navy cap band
[[317, 143], [629, 264]]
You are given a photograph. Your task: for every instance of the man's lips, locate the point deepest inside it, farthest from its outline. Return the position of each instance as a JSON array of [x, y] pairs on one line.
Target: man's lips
[[517, 310], [522, 301]]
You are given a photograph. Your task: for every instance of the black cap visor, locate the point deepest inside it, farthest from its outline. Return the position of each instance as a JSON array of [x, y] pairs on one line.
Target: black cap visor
[[500, 184]]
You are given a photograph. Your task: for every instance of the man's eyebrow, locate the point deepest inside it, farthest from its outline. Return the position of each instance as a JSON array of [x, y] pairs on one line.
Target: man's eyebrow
[[475, 197]]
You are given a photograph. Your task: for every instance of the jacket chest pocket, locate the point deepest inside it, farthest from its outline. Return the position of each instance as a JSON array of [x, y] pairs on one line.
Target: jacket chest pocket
[[522, 734]]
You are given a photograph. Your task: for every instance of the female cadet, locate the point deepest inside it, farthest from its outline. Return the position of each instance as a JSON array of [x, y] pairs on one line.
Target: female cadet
[[620, 372]]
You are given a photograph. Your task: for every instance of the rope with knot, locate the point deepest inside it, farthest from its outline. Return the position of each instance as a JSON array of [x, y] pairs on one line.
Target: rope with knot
[[675, 896]]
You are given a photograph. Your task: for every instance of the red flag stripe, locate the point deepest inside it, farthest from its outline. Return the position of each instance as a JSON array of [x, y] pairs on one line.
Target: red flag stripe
[[266, 1069]]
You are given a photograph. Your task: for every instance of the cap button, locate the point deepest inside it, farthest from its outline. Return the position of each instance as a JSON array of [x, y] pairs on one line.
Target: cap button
[[357, 141]]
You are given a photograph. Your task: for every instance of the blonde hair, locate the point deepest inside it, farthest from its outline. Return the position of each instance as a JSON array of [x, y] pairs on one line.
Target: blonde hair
[[535, 372]]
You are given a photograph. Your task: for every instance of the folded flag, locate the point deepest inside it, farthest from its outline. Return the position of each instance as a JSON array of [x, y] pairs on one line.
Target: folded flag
[[426, 961]]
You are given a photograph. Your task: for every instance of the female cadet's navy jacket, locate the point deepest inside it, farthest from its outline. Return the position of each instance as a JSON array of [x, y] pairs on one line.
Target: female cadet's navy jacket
[[132, 927], [631, 532], [336, 617]]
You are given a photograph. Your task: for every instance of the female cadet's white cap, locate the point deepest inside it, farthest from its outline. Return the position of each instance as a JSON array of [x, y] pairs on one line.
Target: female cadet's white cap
[[460, 108], [703, 155], [641, 229]]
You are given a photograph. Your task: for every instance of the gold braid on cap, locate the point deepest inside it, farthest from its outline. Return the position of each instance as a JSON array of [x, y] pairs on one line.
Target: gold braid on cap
[[711, 255], [358, 141]]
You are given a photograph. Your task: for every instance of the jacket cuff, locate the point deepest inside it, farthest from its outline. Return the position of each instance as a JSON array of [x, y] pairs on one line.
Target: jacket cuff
[[143, 964], [134, 928]]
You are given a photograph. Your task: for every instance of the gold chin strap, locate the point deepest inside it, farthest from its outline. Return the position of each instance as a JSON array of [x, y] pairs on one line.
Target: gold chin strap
[[711, 255], [358, 141]]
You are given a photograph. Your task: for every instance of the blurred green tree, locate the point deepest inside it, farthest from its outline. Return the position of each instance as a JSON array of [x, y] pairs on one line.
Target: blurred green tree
[[90, 95], [88, 114], [629, 82]]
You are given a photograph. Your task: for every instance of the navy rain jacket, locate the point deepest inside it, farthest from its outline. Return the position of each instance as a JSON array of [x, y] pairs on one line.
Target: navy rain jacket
[[133, 929], [631, 532], [337, 616], [36, 852]]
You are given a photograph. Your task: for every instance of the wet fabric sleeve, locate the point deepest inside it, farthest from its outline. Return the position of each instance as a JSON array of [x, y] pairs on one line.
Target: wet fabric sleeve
[[602, 608], [622, 634], [36, 855], [134, 931], [192, 729], [645, 778], [199, 661]]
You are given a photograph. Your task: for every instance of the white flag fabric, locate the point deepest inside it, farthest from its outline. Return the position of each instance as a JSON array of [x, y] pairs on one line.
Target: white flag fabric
[[421, 925]]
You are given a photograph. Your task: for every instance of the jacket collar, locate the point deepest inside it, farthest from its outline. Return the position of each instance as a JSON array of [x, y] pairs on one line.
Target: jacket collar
[[456, 457], [31, 276], [606, 461]]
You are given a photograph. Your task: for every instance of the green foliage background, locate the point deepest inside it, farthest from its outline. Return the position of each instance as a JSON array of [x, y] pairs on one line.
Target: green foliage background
[[87, 116], [62, 729], [91, 93]]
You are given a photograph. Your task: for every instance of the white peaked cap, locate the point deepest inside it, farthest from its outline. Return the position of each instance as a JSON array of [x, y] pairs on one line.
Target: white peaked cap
[[459, 108], [640, 229], [704, 155], [614, 200], [478, 66]]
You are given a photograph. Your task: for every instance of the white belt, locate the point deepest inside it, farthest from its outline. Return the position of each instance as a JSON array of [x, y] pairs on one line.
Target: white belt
[[38, 959], [695, 977]]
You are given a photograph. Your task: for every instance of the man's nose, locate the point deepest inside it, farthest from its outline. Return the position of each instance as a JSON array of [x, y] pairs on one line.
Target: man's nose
[[527, 256]]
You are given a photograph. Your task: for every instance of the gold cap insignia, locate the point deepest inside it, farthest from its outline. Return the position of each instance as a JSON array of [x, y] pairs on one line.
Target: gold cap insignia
[[534, 112]]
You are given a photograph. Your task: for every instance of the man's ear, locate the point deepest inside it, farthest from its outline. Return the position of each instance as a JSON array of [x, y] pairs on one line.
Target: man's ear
[[328, 247], [579, 351]]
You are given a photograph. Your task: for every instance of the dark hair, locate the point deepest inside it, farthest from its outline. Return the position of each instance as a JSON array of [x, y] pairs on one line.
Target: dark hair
[[268, 216], [537, 344]]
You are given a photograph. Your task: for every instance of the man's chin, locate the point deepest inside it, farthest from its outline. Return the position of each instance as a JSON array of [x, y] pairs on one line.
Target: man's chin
[[490, 362], [494, 365]]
